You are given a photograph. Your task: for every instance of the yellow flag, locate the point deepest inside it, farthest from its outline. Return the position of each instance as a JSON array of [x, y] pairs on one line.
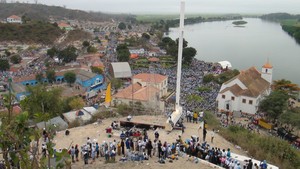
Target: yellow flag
[[108, 94]]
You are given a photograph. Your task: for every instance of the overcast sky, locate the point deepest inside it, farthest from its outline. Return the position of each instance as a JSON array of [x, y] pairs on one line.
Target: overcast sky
[[172, 6]]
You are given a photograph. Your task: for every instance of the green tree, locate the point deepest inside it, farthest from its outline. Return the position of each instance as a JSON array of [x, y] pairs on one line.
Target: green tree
[[15, 138], [7, 52], [4, 65], [52, 52], [146, 36], [208, 78], [96, 70], [68, 54], [70, 77], [286, 86], [184, 44], [85, 43], [123, 53], [76, 103], [122, 26], [91, 49], [227, 75], [39, 77], [274, 104], [188, 54], [291, 117], [43, 100], [129, 27], [50, 74], [116, 83], [16, 59]]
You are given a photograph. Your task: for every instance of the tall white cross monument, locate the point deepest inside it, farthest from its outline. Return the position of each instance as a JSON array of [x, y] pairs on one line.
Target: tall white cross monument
[[175, 116]]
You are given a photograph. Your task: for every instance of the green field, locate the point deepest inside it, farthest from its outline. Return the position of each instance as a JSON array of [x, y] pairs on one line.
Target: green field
[[290, 22], [158, 17]]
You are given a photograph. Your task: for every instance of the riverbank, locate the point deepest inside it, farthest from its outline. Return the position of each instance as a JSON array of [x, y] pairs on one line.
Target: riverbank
[[250, 46]]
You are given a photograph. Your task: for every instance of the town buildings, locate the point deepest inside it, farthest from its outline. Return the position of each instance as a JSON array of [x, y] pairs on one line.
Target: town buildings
[[146, 89]]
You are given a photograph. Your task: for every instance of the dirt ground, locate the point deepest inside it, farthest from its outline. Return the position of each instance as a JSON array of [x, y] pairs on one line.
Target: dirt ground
[[147, 164], [95, 131]]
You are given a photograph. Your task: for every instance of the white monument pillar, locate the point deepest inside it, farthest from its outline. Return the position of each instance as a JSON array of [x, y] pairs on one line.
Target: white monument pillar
[[180, 48], [175, 116]]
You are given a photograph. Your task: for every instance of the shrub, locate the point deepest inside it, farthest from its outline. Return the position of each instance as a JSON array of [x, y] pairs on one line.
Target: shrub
[[211, 120], [261, 147], [75, 123], [103, 115]]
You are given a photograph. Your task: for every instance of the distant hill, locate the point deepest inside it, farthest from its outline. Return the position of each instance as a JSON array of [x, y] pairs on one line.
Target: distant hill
[[33, 32], [42, 12], [279, 16]]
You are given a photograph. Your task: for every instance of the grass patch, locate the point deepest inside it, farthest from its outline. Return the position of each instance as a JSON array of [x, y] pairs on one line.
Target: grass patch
[[211, 120], [273, 149], [156, 17], [260, 147], [150, 18], [290, 22], [204, 89], [103, 115]]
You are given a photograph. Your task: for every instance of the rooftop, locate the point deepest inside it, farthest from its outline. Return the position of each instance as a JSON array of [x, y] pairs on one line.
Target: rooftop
[[148, 77], [18, 88], [62, 24], [85, 75], [137, 92], [252, 79], [267, 65], [14, 17]]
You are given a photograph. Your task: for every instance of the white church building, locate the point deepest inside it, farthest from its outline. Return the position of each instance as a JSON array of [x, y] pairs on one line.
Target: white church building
[[244, 92]]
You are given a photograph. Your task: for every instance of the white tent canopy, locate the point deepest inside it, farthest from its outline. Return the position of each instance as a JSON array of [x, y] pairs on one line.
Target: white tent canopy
[[121, 70], [225, 64]]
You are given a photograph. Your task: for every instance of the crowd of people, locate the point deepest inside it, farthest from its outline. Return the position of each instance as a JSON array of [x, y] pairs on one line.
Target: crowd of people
[[191, 80], [36, 65], [132, 147]]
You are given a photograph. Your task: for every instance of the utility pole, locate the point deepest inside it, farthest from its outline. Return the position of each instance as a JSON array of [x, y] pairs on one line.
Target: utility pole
[[9, 99]]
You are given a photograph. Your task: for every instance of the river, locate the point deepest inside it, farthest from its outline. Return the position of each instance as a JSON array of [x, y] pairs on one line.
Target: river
[[247, 46]]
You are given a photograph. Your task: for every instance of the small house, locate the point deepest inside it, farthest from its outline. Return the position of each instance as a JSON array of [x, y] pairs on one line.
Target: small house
[[14, 19]]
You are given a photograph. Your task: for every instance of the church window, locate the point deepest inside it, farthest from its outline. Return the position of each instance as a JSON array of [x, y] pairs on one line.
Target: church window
[[244, 100], [223, 96], [250, 101], [232, 98]]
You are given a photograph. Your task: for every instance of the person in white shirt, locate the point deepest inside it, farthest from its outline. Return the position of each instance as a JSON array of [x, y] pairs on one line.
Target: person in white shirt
[[212, 136]]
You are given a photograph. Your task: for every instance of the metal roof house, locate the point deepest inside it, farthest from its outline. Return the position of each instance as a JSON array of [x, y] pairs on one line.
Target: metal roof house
[[120, 70]]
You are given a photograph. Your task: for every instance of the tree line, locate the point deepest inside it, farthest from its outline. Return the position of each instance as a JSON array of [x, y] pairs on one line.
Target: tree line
[[171, 47]]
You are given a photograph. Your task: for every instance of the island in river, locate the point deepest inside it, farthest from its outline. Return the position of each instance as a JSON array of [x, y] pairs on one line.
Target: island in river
[[238, 23]]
